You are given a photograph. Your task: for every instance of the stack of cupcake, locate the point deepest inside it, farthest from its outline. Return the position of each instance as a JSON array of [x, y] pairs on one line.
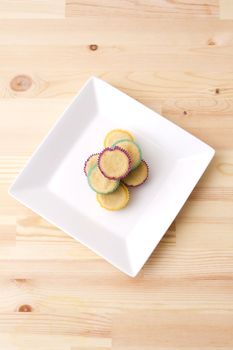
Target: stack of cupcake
[[119, 166]]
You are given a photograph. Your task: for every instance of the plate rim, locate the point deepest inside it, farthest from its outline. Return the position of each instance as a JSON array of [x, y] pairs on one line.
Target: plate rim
[[209, 151]]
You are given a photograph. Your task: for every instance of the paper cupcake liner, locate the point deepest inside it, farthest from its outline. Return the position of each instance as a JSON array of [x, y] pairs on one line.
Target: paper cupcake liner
[[112, 150], [117, 144], [121, 206], [86, 162], [141, 183], [125, 134], [114, 187]]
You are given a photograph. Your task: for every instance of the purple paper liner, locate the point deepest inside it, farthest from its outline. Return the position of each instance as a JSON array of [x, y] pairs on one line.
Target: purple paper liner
[[116, 144], [112, 150], [147, 166], [86, 162]]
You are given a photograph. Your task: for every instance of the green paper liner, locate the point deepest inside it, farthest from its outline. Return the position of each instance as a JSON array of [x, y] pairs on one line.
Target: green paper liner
[[135, 161], [99, 183], [88, 161], [120, 134]]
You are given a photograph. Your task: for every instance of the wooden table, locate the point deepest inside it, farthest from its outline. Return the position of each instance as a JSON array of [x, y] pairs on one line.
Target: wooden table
[[177, 58]]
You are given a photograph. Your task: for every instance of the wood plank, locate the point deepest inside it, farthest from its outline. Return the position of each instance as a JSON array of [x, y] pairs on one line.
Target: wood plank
[[179, 91], [145, 9], [226, 9], [26, 116], [32, 9], [125, 57], [25, 341], [96, 326], [166, 260], [173, 330], [73, 296], [121, 31]]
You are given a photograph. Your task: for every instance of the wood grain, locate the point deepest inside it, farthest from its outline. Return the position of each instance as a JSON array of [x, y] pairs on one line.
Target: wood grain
[[200, 329], [32, 9], [175, 57], [142, 8], [226, 9]]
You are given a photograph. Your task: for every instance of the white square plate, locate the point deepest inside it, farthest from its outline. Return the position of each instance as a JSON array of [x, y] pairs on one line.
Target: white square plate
[[54, 186]]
